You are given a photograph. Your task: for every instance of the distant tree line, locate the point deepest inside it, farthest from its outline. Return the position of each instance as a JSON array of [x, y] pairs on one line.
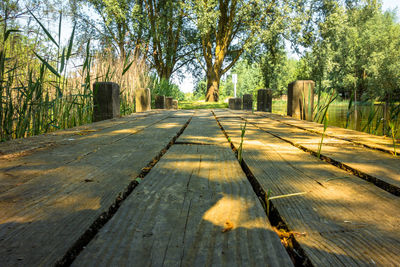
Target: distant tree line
[[349, 45]]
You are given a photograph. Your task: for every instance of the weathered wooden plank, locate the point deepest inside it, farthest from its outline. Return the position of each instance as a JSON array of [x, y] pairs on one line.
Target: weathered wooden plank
[[64, 147], [20, 147], [375, 163], [365, 139], [72, 184], [381, 166], [203, 130], [347, 220], [178, 214]]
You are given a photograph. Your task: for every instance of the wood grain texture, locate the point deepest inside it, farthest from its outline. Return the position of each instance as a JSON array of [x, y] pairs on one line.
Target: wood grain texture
[[361, 138], [194, 208], [347, 220], [57, 191], [379, 165]]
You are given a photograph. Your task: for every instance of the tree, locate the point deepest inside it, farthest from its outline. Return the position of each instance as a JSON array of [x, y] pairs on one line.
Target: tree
[[115, 23], [226, 28], [249, 79], [170, 36], [355, 51], [382, 37]]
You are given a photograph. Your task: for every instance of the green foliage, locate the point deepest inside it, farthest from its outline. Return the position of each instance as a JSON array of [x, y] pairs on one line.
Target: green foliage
[[116, 24], [324, 112], [253, 76], [249, 79], [227, 29], [278, 72], [165, 88], [201, 105], [356, 52], [200, 89], [44, 93]]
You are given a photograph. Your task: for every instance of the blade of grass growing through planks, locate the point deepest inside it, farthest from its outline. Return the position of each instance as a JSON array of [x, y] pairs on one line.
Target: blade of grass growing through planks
[[240, 149], [323, 134], [325, 121], [268, 198]]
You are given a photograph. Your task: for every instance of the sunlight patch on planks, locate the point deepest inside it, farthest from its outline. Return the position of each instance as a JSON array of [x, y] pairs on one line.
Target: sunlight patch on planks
[[201, 212], [347, 220]]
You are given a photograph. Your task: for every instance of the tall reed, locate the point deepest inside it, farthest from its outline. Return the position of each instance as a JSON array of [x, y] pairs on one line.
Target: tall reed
[[44, 93]]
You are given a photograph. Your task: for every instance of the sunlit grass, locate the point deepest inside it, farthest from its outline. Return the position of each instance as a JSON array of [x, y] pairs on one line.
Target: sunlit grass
[[201, 105]]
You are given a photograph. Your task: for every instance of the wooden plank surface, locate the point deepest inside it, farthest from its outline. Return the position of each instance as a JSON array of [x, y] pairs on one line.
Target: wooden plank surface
[[57, 191], [383, 167], [365, 139], [346, 220], [178, 214], [19, 147], [203, 130], [19, 163]]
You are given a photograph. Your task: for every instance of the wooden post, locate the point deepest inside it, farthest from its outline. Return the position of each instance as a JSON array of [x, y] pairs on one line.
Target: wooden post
[[168, 102], [235, 103], [301, 99], [269, 100], [143, 100], [174, 104], [248, 102], [264, 100], [160, 102], [105, 101]]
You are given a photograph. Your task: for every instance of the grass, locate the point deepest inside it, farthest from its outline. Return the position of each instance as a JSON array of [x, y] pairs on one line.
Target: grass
[[240, 149], [341, 114], [324, 120], [201, 105], [41, 92], [269, 197]]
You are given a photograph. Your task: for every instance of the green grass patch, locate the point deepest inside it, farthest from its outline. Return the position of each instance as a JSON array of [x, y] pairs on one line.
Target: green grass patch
[[201, 105]]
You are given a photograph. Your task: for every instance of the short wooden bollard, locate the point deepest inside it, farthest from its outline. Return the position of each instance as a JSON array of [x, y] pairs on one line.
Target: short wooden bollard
[[248, 102], [301, 99], [264, 100], [235, 103], [174, 104], [143, 100], [168, 102], [105, 101], [269, 100], [160, 102]]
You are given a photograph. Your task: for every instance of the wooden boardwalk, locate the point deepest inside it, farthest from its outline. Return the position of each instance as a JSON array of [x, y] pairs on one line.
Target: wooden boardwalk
[[73, 197], [347, 220]]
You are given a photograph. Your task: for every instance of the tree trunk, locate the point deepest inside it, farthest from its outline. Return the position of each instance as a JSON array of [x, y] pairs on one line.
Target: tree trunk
[[213, 79], [164, 73]]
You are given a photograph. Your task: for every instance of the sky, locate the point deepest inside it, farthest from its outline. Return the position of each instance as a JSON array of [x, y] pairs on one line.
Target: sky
[[391, 4]]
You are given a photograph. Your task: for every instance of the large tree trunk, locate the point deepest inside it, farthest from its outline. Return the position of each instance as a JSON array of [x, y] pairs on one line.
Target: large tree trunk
[[164, 73], [213, 79]]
